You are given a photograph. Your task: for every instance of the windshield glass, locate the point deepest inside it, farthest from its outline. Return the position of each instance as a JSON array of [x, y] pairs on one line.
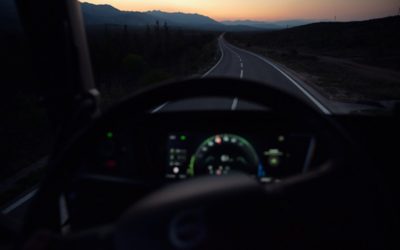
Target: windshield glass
[[341, 56]]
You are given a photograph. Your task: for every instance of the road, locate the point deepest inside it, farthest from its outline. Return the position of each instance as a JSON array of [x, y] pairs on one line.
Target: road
[[238, 63]]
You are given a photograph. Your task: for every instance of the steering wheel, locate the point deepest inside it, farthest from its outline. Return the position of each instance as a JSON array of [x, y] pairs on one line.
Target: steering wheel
[[234, 211]]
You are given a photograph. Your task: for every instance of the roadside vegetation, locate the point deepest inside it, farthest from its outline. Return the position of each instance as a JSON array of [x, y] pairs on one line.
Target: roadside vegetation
[[354, 62], [126, 58]]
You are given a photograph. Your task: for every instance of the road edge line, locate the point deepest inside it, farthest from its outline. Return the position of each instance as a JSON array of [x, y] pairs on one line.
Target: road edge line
[[159, 108], [220, 58], [312, 98]]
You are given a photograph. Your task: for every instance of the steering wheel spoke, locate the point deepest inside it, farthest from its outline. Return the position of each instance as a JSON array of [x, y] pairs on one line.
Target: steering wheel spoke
[[191, 215]]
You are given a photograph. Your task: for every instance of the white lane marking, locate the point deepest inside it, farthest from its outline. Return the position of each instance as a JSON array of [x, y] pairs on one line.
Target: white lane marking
[[240, 58], [235, 100], [220, 59], [234, 52], [159, 107], [302, 89], [234, 103], [19, 202]]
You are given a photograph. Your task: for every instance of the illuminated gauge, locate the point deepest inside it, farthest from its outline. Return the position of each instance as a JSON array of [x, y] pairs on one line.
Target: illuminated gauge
[[221, 154]]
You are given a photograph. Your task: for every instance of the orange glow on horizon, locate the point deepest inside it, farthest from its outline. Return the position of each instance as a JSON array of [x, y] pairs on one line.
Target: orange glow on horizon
[[267, 10]]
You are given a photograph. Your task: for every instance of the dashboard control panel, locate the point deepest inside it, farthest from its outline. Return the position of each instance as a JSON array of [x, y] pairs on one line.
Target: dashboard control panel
[[266, 157]]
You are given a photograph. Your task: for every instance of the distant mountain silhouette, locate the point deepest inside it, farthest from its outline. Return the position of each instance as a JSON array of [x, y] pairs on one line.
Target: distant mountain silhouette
[[270, 25], [183, 19], [107, 14], [295, 22], [255, 24]]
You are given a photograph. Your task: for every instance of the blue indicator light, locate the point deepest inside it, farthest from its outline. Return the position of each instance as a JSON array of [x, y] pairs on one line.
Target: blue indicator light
[[261, 172]]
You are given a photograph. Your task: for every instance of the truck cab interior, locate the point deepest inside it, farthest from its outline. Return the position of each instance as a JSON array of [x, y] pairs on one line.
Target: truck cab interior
[[281, 175]]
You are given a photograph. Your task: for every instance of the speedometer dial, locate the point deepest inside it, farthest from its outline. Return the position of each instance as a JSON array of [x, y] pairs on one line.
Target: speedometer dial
[[221, 154]]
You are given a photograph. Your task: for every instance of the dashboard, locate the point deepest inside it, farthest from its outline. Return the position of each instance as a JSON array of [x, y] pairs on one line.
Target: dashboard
[[127, 158], [265, 156], [172, 147]]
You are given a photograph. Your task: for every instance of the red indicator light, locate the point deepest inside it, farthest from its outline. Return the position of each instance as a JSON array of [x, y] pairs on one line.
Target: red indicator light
[[111, 164], [218, 139]]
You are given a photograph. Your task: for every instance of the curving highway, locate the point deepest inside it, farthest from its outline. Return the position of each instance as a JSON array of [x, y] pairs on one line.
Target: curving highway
[[239, 63]]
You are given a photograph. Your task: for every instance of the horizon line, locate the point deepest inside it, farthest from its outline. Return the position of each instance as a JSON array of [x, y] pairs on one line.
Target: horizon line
[[336, 18]]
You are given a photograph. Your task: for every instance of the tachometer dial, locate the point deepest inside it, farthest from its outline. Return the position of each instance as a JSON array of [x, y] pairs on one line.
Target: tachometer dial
[[221, 154]]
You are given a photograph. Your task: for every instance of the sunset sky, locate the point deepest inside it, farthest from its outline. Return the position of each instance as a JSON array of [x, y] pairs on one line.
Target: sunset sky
[[269, 10]]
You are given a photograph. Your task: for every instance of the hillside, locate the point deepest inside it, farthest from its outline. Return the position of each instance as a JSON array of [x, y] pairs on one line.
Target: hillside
[[255, 24], [183, 19], [277, 25], [106, 14], [345, 61], [375, 41]]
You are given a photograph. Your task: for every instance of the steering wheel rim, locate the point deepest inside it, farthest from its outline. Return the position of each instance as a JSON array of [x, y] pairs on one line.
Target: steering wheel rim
[[259, 93]]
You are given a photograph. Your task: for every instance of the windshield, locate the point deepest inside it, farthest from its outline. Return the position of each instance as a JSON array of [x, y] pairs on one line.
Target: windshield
[[341, 56]]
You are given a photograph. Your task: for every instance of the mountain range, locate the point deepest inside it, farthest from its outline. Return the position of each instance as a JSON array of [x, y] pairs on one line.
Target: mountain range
[[106, 14], [269, 25]]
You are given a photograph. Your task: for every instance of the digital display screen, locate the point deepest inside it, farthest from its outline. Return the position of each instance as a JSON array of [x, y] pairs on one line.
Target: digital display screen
[[268, 157]]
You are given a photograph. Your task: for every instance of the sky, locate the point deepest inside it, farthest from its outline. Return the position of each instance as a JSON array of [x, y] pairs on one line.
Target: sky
[[266, 10]]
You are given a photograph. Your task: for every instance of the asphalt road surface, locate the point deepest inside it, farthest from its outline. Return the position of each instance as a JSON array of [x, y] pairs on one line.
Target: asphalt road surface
[[238, 63]]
